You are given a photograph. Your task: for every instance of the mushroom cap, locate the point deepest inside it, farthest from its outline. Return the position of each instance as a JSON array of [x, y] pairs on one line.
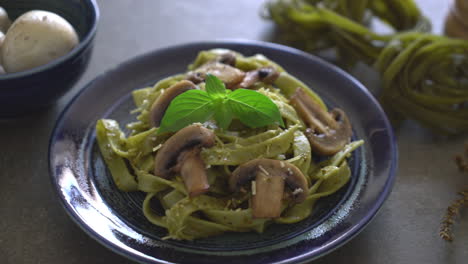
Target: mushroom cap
[[186, 139], [5, 21], [36, 38], [327, 132], [293, 177], [161, 104]]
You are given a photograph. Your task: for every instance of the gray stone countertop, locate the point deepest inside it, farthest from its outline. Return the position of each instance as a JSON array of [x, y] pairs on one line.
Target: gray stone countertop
[[34, 228]]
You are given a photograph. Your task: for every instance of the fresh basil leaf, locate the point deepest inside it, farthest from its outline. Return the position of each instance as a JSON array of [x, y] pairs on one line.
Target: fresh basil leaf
[[223, 115], [253, 108], [189, 107], [214, 86]]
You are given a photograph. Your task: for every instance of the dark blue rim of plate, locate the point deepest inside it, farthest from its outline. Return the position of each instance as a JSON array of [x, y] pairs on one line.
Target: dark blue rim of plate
[[308, 256], [81, 45]]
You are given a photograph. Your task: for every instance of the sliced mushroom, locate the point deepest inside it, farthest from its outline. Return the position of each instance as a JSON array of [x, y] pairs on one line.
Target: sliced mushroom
[[196, 77], [264, 74], [228, 58], [227, 74], [181, 154], [270, 177], [160, 106], [328, 133]]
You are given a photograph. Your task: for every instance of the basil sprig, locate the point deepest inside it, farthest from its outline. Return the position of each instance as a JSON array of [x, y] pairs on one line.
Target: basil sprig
[[250, 107]]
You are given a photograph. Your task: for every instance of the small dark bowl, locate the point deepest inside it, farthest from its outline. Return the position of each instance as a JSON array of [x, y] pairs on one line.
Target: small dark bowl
[[27, 91]]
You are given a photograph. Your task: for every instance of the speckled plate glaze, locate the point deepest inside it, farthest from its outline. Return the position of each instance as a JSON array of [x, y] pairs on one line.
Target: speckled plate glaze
[[114, 218]]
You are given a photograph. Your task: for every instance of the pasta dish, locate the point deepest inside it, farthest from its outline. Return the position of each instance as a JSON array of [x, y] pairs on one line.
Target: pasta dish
[[211, 156]]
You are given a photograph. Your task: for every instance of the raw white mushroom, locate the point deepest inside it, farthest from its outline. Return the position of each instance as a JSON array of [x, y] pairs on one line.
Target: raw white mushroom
[[2, 38], [36, 38], [5, 21]]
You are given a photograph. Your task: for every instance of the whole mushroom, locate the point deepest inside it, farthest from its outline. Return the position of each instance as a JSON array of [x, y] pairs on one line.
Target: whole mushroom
[[36, 38], [5, 21], [270, 178], [327, 132], [181, 154], [2, 38]]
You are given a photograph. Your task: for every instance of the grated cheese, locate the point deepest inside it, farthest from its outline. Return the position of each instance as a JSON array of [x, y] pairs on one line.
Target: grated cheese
[[157, 147], [263, 170], [297, 191], [254, 188]]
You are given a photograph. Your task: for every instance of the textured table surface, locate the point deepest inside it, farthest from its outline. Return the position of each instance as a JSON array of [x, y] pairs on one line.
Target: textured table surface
[[35, 229]]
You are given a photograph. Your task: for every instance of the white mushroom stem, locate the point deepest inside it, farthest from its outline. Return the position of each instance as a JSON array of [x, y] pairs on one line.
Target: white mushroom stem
[[269, 190], [193, 172]]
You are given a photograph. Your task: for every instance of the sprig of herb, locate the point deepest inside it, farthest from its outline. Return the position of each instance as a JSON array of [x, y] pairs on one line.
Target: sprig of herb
[[453, 211], [250, 107]]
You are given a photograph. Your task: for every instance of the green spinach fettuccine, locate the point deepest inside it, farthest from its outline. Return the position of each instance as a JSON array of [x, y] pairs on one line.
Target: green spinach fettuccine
[[130, 159]]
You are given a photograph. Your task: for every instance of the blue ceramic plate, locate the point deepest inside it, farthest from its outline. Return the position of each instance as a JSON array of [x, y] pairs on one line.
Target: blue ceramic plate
[[115, 219]]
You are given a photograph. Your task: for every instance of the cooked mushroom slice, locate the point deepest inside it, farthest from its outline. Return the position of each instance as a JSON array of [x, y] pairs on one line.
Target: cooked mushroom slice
[[228, 58], [181, 154], [264, 74], [270, 177], [227, 74], [328, 133], [196, 77], [160, 106]]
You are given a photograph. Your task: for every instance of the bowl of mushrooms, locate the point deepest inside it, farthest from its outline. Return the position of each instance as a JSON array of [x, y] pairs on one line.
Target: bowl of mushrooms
[[45, 47]]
